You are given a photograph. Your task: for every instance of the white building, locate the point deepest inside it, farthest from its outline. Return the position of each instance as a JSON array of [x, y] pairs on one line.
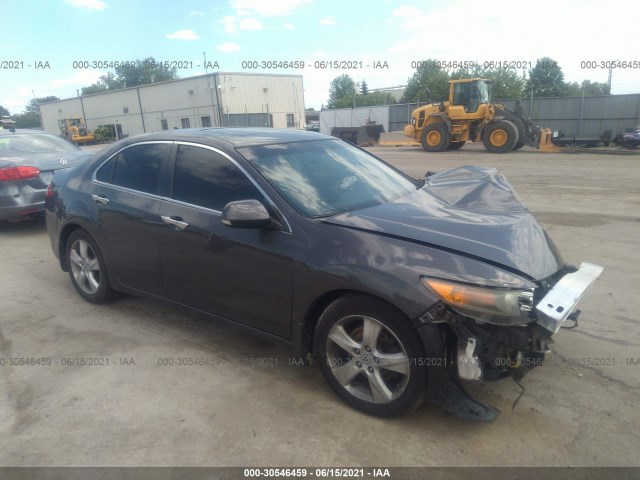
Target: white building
[[216, 99]]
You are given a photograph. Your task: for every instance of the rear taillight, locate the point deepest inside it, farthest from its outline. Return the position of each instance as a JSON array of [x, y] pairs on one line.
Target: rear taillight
[[51, 190], [18, 173]]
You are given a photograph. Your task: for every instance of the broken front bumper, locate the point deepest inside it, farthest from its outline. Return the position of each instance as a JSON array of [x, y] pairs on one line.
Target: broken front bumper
[[562, 299]]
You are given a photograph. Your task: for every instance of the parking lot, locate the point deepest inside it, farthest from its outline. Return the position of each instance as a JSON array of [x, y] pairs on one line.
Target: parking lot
[[248, 404]]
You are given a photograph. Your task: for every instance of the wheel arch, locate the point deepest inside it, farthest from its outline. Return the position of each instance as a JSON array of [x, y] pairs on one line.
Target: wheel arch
[[65, 233], [319, 305]]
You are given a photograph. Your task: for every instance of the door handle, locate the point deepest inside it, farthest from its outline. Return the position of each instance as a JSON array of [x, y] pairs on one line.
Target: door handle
[[101, 199], [179, 224]]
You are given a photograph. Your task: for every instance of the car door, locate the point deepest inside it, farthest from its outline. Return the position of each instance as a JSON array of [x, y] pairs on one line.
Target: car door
[[240, 274], [126, 189]]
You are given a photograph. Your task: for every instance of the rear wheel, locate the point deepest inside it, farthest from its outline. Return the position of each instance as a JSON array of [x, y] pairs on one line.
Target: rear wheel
[[500, 136], [456, 145], [87, 268], [435, 137], [370, 356]]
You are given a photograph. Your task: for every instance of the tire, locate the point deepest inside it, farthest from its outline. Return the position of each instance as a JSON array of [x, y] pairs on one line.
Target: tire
[[500, 136], [352, 365], [521, 128], [456, 145], [435, 137], [87, 268]]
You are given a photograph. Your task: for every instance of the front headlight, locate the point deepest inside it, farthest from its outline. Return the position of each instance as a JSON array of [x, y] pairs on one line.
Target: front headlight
[[500, 306]]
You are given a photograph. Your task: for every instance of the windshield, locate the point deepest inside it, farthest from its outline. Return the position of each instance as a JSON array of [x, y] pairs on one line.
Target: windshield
[[326, 177], [19, 145]]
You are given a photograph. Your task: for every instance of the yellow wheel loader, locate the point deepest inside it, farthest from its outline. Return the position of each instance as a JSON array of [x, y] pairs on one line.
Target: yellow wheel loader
[[469, 115], [73, 130]]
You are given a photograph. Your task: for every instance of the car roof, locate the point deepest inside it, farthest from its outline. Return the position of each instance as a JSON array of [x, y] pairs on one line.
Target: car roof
[[234, 136], [22, 131]]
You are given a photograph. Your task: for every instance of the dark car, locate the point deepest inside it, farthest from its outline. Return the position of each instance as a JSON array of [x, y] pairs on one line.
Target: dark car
[[313, 126], [28, 159], [396, 287]]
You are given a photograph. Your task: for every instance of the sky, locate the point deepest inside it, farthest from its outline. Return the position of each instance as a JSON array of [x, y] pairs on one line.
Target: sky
[[48, 43]]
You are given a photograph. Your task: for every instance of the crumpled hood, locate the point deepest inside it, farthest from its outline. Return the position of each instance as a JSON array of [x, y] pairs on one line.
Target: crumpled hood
[[47, 161], [468, 210]]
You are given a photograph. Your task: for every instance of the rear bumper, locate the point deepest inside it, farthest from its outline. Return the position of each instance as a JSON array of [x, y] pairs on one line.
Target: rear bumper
[[23, 198], [23, 211]]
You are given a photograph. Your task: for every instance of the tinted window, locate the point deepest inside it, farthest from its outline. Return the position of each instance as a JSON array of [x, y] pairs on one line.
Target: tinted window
[[105, 171], [205, 178], [139, 167], [18, 145]]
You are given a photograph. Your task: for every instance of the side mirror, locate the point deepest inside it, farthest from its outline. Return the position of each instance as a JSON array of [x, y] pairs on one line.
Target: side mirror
[[246, 214]]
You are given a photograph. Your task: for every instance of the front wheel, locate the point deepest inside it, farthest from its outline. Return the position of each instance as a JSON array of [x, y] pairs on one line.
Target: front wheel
[[87, 268], [500, 136], [435, 138], [371, 356]]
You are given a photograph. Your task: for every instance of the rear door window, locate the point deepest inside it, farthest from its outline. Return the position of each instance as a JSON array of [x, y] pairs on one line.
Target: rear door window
[[137, 167]]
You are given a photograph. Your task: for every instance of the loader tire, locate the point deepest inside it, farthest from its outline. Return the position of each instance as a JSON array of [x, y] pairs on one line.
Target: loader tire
[[500, 137], [435, 137]]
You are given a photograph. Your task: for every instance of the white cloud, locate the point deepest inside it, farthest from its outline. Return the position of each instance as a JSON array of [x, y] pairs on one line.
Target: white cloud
[[289, 26], [229, 23], [250, 24], [228, 47], [328, 21], [268, 8], [89, 4], [196, 13], [183, 35]]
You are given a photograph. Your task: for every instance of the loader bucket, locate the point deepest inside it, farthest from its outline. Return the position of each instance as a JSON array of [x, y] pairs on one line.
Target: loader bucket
[[397, 139], [546, 144], [364, 136]]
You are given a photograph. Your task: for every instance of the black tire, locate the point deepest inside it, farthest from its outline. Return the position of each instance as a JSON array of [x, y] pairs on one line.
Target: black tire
[[456, 145], [521, 133], [87, 268], [435, 137], [347, 320], [500, 136]]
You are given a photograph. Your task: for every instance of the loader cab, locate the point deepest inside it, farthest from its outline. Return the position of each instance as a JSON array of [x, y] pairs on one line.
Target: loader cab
[[466, 96]]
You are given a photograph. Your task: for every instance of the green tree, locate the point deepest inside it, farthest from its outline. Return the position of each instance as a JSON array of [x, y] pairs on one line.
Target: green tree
[[140, 72], [364, 88], [428, 77], [341, 87], [572, 89], [30, 117], [4, 112], [592, 89], [369, 100], [27, 120], [546, 79], [32, 106], [505, 83]]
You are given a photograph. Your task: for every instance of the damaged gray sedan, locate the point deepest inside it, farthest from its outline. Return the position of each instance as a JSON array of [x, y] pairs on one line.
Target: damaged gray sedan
[[399, 289]]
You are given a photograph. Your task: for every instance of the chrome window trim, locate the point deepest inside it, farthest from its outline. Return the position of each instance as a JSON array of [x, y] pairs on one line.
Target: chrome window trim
[[246, 174], [192, 205], [128, 190]]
